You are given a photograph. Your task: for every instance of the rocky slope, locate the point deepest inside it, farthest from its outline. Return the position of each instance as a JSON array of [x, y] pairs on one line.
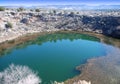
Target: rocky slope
[[14, 24]]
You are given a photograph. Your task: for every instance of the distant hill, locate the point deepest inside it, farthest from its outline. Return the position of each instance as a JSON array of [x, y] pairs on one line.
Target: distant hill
[[71, 7], [79, 7]]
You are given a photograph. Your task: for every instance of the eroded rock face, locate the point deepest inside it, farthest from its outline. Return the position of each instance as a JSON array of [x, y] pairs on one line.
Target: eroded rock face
[[106, 24], [116, 32]]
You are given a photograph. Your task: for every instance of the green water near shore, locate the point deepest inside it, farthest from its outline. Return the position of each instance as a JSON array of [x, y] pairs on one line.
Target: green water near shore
[[55, 56]]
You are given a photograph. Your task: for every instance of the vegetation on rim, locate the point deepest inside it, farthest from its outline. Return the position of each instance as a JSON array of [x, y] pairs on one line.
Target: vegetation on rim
[[20, 9], [37, 10], [9, 25], [2, 8]]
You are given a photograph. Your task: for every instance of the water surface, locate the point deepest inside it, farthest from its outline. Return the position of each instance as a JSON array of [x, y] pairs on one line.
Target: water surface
[[55, 56]]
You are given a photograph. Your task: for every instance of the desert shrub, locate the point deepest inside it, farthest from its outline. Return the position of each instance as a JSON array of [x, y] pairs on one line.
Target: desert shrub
[[54, 11], [31, 10], [2, 8], [37, 10], [12, 13], [9, 25], [20, 9]]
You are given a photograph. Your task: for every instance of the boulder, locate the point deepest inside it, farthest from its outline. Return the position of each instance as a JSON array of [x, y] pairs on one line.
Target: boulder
[[24, 20]]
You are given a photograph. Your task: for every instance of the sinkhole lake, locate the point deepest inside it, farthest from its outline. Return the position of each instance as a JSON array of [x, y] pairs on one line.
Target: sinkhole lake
[[54, 56]]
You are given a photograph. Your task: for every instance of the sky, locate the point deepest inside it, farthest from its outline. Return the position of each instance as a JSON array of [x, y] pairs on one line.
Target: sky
[[59, 2]]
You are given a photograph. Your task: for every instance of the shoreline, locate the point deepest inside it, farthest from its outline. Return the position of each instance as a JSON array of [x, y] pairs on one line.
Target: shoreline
[[13, 37], [21, 39], [101, 70], [100, 36]]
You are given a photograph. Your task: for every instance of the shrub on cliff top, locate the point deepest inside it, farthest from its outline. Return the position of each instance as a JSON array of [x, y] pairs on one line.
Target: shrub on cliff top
[[37, 10], [2, 8], [9, 25], [20, 9]]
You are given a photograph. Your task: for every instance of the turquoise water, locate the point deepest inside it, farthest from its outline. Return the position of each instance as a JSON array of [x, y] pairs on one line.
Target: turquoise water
[[54, 56]]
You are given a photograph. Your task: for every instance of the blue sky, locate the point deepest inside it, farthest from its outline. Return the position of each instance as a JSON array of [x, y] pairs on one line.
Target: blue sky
[[51, 2]]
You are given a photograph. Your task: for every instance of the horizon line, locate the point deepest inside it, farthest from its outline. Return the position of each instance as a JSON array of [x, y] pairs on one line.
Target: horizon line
[[60, 3], [56, 4]]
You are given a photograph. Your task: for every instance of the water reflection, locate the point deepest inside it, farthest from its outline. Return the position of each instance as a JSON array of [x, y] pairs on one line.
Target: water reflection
[[49, 38]]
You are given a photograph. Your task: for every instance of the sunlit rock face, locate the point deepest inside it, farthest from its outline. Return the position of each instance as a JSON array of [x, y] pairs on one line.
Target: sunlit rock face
[[19, 75]]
